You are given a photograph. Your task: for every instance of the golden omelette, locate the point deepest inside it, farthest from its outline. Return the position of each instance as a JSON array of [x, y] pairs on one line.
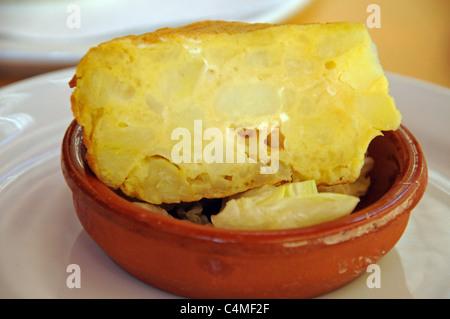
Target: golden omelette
[[321, 85]]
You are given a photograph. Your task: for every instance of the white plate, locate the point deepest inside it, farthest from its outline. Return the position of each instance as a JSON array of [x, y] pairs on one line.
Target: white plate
[[37, 35], [40, 234]]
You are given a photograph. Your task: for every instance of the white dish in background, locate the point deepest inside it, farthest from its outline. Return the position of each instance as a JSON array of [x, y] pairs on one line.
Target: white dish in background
[[39, 35], [40, 234]]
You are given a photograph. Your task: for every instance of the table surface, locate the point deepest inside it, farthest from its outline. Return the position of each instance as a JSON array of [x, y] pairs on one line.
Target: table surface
[[413, 37]]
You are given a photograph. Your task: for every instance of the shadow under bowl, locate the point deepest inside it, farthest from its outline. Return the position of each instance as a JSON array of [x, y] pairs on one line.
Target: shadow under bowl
[[199, 261]]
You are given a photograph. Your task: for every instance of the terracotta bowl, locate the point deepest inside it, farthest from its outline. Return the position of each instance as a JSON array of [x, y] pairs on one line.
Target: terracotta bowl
[[198, 261]]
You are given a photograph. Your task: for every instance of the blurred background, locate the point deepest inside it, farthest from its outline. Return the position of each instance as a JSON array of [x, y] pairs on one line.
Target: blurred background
[[37, 36]]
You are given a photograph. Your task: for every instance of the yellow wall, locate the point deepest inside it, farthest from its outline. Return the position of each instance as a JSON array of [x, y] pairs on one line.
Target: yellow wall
[[413, 38]]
